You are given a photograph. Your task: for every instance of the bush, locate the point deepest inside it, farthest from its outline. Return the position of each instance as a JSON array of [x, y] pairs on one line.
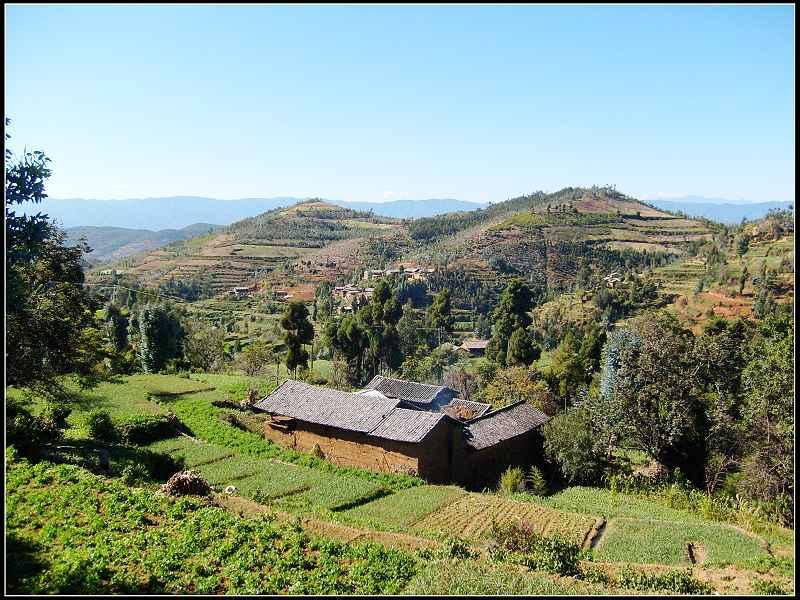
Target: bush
[[28, 433], [511, 481], [145, 429], [317, 451], [537, 484], [134, 473], [57, 414], [676, 581], [768, 588], [101, 426], [519, 543]]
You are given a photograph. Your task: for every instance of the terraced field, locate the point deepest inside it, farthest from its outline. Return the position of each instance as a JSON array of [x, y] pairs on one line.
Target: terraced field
[[472, 515]]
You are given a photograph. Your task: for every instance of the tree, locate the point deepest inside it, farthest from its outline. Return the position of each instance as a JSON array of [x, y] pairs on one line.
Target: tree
[[510, 314], [720, 353], [160, 337], [742, 244], [49, 315], [462, 381], [204, 345], [408, 328], [298, 331], [349, 338], [768, 411], [255, 359], [647, 391], [571, 445], [521, 349], [483, 329], [439, 313], [517, 384], [743, 279]]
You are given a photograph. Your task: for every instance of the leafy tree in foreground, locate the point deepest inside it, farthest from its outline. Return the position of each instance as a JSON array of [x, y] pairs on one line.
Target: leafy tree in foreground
[[521, 349], [204, 345], [49, 315], [440, 315]]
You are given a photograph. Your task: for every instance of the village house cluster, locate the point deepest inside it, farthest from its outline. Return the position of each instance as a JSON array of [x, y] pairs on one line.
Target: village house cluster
[[402, 426]]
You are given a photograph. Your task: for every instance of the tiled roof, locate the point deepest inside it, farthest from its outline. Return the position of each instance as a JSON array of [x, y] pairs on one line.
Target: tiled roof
[[407, 425], [367, 412], [418, 393], [324, 406], [503, 424], [475, 344], [478, 408]]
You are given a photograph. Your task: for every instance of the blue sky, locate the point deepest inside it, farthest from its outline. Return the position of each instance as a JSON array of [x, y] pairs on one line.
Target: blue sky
[[381, 102]]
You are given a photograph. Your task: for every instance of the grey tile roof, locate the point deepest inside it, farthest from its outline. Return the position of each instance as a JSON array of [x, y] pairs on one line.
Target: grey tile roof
[[407, 425], [367, 412], [478, 408], [324, 406], [411, 391], [503, 424]]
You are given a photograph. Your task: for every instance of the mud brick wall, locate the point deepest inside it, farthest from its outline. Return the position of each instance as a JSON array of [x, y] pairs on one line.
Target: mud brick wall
[[428, 458]]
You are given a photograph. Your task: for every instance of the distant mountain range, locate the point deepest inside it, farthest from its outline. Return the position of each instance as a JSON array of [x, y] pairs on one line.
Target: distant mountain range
[[718, 209], [175, 212], [111, 243]]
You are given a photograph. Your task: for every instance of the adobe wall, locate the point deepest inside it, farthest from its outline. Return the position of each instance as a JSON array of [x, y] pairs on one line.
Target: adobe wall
[[352, 449], [482, 468]]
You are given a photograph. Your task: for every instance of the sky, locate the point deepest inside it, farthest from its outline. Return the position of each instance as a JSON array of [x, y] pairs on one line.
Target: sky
[[372, 103]]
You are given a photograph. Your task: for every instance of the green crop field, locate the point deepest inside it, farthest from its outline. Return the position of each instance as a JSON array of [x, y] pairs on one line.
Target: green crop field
[[640, 530], [665, 542], [402, 509], [71, 532]]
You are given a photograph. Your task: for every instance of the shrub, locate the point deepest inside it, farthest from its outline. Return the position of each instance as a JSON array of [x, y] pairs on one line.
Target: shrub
[[520, 544], [134, 473], [537, 484], [57, 414], [145, 429], [28, 433], [511, 481], [767, 588], [677, 581], [317, 451], [101, 426]]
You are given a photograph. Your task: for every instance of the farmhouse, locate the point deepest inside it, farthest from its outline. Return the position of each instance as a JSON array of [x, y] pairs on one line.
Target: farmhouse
[[405, 427], [474, 347]]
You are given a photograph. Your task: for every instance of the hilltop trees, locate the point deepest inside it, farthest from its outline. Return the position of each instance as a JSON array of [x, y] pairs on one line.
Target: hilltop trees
[[298, 331]]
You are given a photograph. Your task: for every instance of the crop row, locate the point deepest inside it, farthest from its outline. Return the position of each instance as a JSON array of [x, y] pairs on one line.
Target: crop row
[[472, 517]]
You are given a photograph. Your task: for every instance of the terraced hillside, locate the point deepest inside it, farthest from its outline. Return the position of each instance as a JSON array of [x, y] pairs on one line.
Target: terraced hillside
[[545, 237], [249, 250]]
